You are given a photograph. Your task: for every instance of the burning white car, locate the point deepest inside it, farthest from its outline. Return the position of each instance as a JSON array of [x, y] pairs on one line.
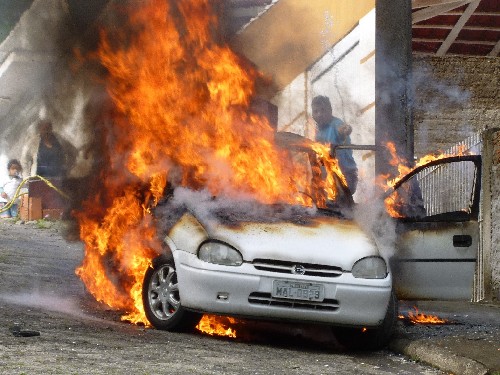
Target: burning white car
[[273, 262]]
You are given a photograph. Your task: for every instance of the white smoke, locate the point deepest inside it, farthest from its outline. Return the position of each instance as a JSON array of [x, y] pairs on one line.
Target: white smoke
[[373, 218], [435, 93], [204, 205], [37, 300]]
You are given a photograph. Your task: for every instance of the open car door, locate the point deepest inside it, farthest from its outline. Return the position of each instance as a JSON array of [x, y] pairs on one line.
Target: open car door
[[438, 231]]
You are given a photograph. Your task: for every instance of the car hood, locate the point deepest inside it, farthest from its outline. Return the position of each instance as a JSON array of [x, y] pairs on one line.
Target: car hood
[[318, 240]]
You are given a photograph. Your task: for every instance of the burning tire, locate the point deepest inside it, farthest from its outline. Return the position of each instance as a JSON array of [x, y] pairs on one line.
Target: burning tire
[[372, 338], [160, 296]]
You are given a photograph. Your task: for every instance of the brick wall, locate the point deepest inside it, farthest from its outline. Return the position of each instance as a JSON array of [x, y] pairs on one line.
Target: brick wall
[[454, 98]]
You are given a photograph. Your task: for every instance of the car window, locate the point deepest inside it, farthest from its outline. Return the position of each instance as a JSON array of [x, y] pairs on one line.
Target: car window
[[443, 191]]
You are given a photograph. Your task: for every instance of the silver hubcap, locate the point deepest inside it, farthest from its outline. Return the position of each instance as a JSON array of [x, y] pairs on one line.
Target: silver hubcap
[[163, 293]]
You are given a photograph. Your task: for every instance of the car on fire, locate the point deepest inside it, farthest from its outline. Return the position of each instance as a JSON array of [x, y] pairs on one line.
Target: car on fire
[[300, 264]]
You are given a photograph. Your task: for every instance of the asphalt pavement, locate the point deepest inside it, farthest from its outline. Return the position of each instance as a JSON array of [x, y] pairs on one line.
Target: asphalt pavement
[[467, 344]]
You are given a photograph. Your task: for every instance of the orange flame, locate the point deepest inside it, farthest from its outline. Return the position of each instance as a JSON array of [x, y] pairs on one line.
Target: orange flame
[[403, 169], [217, 326], [420, 318], [180, 101], [331, 166]]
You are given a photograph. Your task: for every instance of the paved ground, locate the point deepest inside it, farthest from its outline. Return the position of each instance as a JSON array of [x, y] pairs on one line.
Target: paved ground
[[41, 293], [469, 344]]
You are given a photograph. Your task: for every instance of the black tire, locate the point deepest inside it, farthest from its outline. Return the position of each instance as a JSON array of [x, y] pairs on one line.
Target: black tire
[[371, 338], [160, 297]]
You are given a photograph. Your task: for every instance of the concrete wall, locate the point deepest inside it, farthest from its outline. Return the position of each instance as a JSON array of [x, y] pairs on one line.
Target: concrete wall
[[292, 34], [454, 98]]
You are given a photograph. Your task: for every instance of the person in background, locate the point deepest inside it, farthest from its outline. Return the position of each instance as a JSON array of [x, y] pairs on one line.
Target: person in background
[[45, 155], [9, 188], [331, 129], [50, 156]]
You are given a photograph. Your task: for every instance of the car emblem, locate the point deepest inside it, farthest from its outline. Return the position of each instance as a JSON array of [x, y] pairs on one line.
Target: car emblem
[[298, 269]]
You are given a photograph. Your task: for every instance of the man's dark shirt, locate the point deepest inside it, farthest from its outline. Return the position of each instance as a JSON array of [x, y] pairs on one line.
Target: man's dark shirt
[[50, 160]]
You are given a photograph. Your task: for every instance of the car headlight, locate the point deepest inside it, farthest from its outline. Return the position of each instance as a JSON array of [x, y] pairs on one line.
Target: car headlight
[[219, 253], [370, 268]]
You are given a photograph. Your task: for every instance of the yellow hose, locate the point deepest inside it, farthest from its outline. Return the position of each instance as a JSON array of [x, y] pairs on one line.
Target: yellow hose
[[18, 193]]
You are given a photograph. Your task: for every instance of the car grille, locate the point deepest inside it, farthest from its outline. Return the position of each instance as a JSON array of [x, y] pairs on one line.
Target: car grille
[[285, 267], [259, 298]]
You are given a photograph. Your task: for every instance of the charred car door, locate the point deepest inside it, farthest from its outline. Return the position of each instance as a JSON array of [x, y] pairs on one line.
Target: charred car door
[[437, 229]]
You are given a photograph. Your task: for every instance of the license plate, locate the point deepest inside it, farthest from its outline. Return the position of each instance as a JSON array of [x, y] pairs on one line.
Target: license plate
[[298, 290]]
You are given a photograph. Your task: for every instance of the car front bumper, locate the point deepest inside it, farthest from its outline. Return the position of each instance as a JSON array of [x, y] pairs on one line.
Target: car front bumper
[[246, 291]]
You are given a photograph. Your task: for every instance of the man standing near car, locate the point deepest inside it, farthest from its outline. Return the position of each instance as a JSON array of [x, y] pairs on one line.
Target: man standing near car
[[47, 154], [331, 129]]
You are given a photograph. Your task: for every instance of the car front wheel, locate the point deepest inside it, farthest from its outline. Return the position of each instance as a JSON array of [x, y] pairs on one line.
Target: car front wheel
[[370, 338], [160, 296]]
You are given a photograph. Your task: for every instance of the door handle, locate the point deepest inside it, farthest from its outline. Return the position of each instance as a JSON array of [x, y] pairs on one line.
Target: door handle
[[462, 240]]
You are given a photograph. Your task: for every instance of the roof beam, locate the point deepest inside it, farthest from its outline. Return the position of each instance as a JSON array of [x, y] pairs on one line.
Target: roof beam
[[436, 10], [452, 36], [471, 42], [492, 14], [248, 12], [475, 42], [429, 3], [449, 27], [495, 51]]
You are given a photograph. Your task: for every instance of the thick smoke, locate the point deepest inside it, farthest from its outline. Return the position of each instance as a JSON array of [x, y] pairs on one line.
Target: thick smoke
[[84, 114], [212, 211], [50, 39], [374, 219]]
